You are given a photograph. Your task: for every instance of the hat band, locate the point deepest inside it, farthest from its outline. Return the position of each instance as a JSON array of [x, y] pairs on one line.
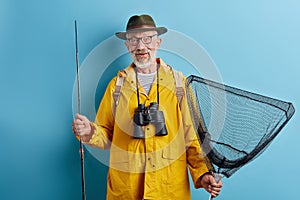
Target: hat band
[[140, 27]]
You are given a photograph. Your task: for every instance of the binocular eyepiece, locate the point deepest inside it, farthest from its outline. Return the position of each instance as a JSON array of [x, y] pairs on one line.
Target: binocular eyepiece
[[149, 115]]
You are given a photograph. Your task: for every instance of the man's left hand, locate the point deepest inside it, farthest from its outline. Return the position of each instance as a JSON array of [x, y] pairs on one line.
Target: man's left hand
[[208, 182]]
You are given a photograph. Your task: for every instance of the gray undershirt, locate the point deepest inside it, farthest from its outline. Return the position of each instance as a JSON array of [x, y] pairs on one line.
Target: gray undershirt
[[146, 80]]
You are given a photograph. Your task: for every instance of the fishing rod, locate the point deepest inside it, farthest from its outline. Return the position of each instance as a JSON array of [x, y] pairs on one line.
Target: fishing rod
[[81, 149]]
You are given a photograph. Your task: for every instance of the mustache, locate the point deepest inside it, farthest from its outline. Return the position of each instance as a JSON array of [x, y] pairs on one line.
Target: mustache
[[139, 51]]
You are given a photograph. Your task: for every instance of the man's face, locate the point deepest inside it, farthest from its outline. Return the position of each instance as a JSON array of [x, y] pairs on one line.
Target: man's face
[[143, 46]]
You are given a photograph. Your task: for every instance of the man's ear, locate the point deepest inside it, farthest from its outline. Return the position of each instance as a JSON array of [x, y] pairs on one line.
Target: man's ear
[[127, 45], [158, 42]]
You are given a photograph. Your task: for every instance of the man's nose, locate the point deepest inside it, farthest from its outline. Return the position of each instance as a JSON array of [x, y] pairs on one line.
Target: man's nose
[[140, 44]]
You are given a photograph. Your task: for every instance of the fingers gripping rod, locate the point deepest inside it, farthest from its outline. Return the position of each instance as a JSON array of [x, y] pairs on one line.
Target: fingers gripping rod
[[217, 177], [81, 149]]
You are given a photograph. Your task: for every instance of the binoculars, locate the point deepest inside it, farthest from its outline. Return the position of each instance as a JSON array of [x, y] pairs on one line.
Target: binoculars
[[149, 115]]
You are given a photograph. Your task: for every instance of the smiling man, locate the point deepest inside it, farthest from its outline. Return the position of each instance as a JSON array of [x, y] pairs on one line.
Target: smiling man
[[144, 120], [143, 50]]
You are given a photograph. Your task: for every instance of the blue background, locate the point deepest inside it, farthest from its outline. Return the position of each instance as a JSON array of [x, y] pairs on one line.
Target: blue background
[[255, 45]]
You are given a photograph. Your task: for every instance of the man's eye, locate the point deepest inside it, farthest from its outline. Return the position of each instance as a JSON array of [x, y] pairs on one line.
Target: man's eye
[[146, 39]]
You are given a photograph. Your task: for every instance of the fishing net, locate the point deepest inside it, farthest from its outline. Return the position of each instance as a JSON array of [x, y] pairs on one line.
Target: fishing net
[[234, 126]]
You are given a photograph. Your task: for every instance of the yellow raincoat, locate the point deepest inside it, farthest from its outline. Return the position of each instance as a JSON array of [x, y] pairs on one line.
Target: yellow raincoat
[[154, 167]]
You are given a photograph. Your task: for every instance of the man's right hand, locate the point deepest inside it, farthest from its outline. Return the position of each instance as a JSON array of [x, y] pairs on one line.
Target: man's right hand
[[81, 126]]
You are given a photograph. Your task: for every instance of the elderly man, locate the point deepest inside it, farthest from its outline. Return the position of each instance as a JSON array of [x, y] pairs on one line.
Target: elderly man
[[147, 125]]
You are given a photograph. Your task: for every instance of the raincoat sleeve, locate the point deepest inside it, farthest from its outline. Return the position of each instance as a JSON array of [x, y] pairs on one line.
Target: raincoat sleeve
[[195, 158], [103, 126]]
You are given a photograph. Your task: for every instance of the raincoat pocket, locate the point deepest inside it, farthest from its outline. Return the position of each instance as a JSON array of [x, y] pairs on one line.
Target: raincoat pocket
[[173, 154], [119, 160], [175, 166]]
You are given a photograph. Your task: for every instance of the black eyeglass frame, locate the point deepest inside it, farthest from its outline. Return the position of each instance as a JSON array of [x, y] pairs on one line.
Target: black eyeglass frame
[[135, 40]]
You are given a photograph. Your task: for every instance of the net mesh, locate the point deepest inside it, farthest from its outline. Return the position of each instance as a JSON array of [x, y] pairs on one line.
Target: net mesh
[[234, 126]]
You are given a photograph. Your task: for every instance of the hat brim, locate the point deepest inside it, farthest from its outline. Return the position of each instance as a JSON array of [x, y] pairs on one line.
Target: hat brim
[[160, 30]]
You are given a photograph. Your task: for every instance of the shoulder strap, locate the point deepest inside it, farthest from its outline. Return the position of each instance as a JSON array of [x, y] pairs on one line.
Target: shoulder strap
[[178, 76], [118, 87]]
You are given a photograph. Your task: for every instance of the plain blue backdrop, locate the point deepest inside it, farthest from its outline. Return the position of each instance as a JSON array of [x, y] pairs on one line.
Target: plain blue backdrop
[[255, 45]]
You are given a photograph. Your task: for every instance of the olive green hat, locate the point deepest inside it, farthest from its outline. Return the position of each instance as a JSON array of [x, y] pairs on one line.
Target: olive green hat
[[140, 24]]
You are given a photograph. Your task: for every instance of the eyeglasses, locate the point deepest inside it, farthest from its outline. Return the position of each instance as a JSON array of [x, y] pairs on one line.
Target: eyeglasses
[[146, 40]]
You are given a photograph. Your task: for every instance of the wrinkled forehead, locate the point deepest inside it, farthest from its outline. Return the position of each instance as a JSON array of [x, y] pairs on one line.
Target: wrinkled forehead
[[140, 34]]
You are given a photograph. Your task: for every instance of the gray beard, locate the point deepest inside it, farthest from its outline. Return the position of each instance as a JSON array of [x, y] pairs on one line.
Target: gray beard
[[142, 65]]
